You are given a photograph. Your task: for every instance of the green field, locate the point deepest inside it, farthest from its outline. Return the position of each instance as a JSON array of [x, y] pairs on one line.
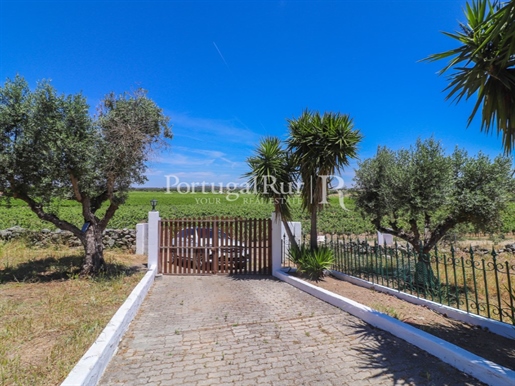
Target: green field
[[175, 205], [333, 219]]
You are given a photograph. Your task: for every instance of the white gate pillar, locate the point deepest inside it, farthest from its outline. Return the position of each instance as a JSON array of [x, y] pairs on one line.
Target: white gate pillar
[[276, 242], [142, 239], [153, 238]]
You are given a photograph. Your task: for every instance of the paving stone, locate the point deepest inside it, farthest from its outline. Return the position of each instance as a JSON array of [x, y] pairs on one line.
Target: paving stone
[[210, 330]]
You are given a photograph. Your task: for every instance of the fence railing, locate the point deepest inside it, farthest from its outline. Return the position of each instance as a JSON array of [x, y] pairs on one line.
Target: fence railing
[[481, 285]]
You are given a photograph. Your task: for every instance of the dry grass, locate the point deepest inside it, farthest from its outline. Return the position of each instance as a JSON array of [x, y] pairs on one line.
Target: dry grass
[[481, 277], [48, 315], [479, 285]]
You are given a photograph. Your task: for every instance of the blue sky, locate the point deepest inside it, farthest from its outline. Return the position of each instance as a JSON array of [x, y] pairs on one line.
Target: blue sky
[[231, 72]]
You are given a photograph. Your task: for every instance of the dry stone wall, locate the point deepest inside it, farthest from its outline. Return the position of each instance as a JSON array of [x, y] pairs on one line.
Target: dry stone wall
[[113, 238]]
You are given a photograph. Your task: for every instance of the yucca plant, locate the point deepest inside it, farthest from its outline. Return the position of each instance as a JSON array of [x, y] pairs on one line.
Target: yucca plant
[[314, 263], [271, 176], [321, 145], [296, 256], [484, 65]]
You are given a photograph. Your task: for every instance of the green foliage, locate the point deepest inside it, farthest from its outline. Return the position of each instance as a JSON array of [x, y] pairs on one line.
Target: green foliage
[[51, 150], [483, 65], [271, 174], [458, 233], [312, 263], [508, 218], [296, 255], [42, 138], [321, 145], [420, 194]]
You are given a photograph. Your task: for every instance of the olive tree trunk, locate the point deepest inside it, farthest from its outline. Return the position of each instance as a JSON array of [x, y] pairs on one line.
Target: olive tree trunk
[[93, 249]]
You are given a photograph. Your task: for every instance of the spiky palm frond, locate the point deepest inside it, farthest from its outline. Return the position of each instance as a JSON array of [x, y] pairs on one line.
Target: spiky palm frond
[[484, 66], [271, 174], [321, 145]]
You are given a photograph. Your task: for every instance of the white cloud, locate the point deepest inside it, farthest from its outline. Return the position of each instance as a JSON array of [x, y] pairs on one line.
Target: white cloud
[[208, 153], [230, 130], [185, 160], [153, 172]]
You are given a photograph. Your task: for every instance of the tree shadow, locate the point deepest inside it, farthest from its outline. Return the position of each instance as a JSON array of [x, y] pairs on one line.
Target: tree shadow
[[486, 344], [59, 269], [385, 355]]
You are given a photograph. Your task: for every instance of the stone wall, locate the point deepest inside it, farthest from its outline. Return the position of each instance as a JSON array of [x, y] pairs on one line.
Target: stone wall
[[113, 238]]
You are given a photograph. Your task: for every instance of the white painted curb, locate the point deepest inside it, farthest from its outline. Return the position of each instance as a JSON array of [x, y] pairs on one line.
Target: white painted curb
[[494, 326], [481, 369], [92, 365]]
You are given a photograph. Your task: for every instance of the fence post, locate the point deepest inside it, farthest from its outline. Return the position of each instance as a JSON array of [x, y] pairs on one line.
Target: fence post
[[276, 242], [153, 238]]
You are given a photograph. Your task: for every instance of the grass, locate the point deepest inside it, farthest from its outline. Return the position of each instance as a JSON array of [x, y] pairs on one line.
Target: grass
[[388, 310], [48, 315]]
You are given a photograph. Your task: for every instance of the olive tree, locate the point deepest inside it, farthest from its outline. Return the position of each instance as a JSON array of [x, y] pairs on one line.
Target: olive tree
[[52, 149], [419, 194]]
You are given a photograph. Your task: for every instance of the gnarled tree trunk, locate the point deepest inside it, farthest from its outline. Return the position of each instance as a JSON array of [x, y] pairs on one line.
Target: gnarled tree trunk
[[94, 249]]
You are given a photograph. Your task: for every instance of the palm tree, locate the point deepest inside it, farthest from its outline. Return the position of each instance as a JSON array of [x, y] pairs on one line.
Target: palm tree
[[320, 145], [484, 65], [272, 177]]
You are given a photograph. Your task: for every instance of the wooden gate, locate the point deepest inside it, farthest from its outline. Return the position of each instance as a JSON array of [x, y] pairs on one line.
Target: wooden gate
[[215, 246]]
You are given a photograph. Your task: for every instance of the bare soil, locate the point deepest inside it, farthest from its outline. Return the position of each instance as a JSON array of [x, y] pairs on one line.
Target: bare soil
[[481, 342]]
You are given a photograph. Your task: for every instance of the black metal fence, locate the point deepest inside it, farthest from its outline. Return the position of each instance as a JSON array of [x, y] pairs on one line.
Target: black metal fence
[[481, 285]]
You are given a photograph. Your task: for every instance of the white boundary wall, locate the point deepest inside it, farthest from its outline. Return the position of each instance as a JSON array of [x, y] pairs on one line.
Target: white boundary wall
[[494, 326], [93, 363]]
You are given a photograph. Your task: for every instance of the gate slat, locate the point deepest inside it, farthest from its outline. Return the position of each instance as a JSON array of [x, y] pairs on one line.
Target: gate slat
[[167, 235], [258, 246], [248, 236], [261, 249], [244, 252], [177, 257], [160, 257], [269, 246], [176, 250], [204, 226], [253, 240], [231, 247]]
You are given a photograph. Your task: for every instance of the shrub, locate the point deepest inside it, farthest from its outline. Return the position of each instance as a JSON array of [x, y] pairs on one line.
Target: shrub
[[313, 263], [296, 255]]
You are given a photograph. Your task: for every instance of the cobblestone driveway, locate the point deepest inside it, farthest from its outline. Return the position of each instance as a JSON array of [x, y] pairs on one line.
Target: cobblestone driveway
[[219, 330]]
